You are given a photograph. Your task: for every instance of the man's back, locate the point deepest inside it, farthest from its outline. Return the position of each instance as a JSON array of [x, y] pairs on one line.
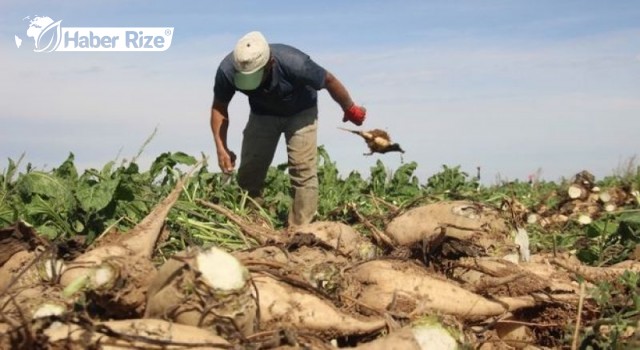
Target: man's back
[[290, 87]]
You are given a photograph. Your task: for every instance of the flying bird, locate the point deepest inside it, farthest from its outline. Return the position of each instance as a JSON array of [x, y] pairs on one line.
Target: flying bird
[[377, 140]]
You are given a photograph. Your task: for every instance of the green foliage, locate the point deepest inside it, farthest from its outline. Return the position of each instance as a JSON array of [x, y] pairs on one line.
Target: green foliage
[[626, 174], [94, 196], [383, 184], [619, 305], [60, 203], [333, 190], [451, 181], [399, 186], [46, 199], [167, 161], [610, 239]]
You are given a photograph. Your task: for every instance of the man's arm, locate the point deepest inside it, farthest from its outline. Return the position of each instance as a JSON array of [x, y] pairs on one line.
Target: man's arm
[[339, 93], [219, 127]]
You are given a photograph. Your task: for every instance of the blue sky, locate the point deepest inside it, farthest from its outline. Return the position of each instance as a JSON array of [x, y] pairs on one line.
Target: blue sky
[[511, 86]]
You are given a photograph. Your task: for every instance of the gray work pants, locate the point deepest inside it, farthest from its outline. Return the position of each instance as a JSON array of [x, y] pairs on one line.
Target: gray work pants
[[261, 136]]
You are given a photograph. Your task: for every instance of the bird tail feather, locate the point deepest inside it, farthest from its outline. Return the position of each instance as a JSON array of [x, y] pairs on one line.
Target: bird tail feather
[[350, 130]]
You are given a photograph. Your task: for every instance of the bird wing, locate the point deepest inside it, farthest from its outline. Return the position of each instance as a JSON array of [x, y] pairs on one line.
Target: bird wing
[[380, 133], [367, 135], [378, 144]]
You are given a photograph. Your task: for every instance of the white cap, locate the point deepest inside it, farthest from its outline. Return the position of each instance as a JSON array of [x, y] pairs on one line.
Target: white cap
[[250, 56]]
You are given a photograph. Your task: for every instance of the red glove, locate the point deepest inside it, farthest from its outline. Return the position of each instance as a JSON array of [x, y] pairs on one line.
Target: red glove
[[355, 114]]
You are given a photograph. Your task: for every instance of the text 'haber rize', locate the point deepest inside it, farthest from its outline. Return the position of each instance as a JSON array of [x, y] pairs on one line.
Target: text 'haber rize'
[[133, 40]]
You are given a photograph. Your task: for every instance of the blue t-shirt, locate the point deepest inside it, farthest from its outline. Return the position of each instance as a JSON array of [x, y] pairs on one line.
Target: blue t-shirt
[[291, 86]]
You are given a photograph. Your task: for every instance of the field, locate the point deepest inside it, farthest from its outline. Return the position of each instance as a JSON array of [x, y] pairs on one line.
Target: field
[[177, 256]]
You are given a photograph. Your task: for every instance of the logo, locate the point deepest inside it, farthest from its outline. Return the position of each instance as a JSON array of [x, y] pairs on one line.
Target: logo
[[49, 35]]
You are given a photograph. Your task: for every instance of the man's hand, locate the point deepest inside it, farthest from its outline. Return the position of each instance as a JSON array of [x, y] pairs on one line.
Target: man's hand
[[355, 114], [226, 161]]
